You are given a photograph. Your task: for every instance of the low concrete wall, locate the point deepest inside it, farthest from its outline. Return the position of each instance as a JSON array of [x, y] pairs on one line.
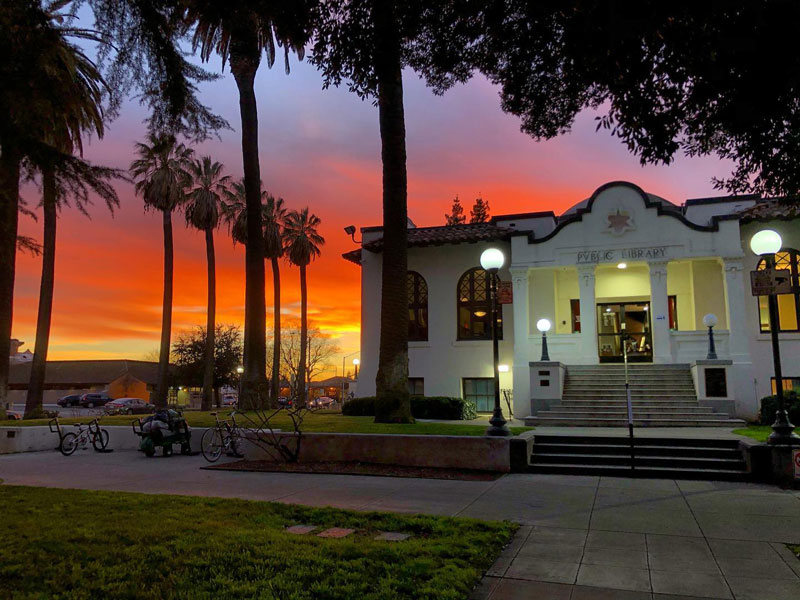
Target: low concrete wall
[[442, 451], [37, 439]]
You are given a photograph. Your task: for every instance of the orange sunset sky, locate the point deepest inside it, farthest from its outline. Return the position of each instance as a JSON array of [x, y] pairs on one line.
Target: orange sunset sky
[[320, 149]]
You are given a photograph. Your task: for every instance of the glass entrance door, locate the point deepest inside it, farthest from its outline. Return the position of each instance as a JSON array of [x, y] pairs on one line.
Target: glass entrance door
[[624, 328]]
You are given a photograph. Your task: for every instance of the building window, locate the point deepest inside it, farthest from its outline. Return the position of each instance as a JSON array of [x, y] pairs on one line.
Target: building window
[[789, 384], [416, 386], [575, 309], [788, 304], [672, 308], [417, 307], [474, 307], [480, 391]]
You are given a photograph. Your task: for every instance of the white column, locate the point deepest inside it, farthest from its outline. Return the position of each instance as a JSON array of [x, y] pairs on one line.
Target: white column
[[659, 312], [586, 279], [521, 372], [735, 294]]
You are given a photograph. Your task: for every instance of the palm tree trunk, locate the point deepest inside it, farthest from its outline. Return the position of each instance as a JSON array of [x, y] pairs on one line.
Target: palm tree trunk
[[244, 64], [166, 315], [301, 365], [208, 359], [276, 330], [9, 218], [33, 401], [393, 403]]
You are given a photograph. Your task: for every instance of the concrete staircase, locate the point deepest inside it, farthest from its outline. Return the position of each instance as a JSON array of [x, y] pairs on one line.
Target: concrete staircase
[[678, 458], [662, 396]]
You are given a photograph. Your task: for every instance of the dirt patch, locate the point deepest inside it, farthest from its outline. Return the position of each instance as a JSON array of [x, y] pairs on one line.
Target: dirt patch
[[357, 468]]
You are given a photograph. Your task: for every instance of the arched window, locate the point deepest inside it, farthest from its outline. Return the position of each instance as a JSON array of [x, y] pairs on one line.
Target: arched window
[[788, 304], [417, 307], [474, 307]]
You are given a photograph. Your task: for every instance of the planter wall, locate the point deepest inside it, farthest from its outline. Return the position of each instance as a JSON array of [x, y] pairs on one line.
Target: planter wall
[[442, 451]]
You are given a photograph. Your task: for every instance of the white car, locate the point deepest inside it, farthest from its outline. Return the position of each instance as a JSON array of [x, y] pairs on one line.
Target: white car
[[229, 400], [322, 402]]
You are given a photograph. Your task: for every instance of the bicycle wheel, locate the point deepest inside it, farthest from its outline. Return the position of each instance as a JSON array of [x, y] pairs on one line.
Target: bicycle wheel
[[69, 443], [100, 440], [211, 445]]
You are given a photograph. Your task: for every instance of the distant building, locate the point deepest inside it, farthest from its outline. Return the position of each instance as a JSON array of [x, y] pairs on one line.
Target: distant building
[[119, 378], [331, 387], [17, 356]]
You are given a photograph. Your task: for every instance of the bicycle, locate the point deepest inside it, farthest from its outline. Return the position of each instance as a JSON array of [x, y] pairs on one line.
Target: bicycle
[[85, 434], [223, 436]]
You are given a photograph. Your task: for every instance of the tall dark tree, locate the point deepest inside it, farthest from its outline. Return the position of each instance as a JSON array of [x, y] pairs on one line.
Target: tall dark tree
[[456, 216], [302, 243], [204, 195], [274, 223], [697, 78], [368, 43], [479, 213], [240, 31], [161, 176]]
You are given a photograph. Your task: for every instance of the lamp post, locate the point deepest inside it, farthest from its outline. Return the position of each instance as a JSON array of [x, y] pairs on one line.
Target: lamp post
[[344, 358], [356, 362], [543, 325], [239, 371], [767, 243], [492, 260], [710, 320]]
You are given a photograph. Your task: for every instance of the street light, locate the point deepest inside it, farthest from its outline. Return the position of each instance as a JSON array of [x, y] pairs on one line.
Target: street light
[[492, 260], [356, 362], [710, 320], [543, 325], [239, 371], [344, 358], [767, 243]]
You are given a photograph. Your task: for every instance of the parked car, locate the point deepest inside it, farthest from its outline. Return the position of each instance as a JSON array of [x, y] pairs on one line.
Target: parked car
[[67, 401], [284, 401], [321, 402], [95, 399], [229, 400], [129, 406], [13, 415]]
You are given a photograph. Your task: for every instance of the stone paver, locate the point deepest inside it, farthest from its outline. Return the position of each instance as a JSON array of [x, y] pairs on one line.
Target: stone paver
[[392, 536], [300, 529], [336, 532], [581, 538]]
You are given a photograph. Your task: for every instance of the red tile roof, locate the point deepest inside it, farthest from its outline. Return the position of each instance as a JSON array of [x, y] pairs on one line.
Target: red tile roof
[[444, 234], [771, 210]]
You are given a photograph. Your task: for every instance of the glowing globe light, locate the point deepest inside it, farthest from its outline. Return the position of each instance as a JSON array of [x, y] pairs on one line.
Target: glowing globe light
[[492, 259], [766, 242], [543, 325]]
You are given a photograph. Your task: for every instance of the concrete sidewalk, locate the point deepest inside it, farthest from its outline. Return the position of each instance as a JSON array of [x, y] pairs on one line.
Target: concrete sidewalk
[[582, 537]]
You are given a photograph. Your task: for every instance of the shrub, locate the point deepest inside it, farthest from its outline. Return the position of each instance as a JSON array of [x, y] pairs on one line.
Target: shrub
[[359, 407], [769, 405], [422, 407]]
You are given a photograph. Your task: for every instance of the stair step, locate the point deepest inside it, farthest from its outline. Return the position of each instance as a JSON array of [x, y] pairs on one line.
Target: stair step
[[675, 462], [543, 448], [647, 472], [623, 439], [617, 422]]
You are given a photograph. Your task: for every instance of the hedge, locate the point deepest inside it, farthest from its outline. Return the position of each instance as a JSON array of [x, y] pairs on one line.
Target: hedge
[[422, 407], [769, 406]]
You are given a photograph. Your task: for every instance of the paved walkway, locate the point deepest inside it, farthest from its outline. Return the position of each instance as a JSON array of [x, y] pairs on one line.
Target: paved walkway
[[582, 537]]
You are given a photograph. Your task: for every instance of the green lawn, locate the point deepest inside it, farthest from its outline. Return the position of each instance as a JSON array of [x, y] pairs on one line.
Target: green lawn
[[757, 432], [90, 544], [321, 421]]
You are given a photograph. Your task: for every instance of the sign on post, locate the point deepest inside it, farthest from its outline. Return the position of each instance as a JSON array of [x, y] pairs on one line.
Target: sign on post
[[771, 281], [505, 292], [796, 462]]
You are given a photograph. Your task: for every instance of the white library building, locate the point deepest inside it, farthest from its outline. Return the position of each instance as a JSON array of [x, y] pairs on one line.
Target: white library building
[[621, 278]]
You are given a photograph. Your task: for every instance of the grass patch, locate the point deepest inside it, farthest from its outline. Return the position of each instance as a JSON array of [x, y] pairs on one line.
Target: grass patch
[[319, 421], [795, 549], [92, 544], [757, 432]]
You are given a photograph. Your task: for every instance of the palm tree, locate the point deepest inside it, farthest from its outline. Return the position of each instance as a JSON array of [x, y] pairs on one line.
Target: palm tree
[[48, 98], [302, 245], [273, 216], [204, 197], [239, 31], [161, 176], [274, 222]]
